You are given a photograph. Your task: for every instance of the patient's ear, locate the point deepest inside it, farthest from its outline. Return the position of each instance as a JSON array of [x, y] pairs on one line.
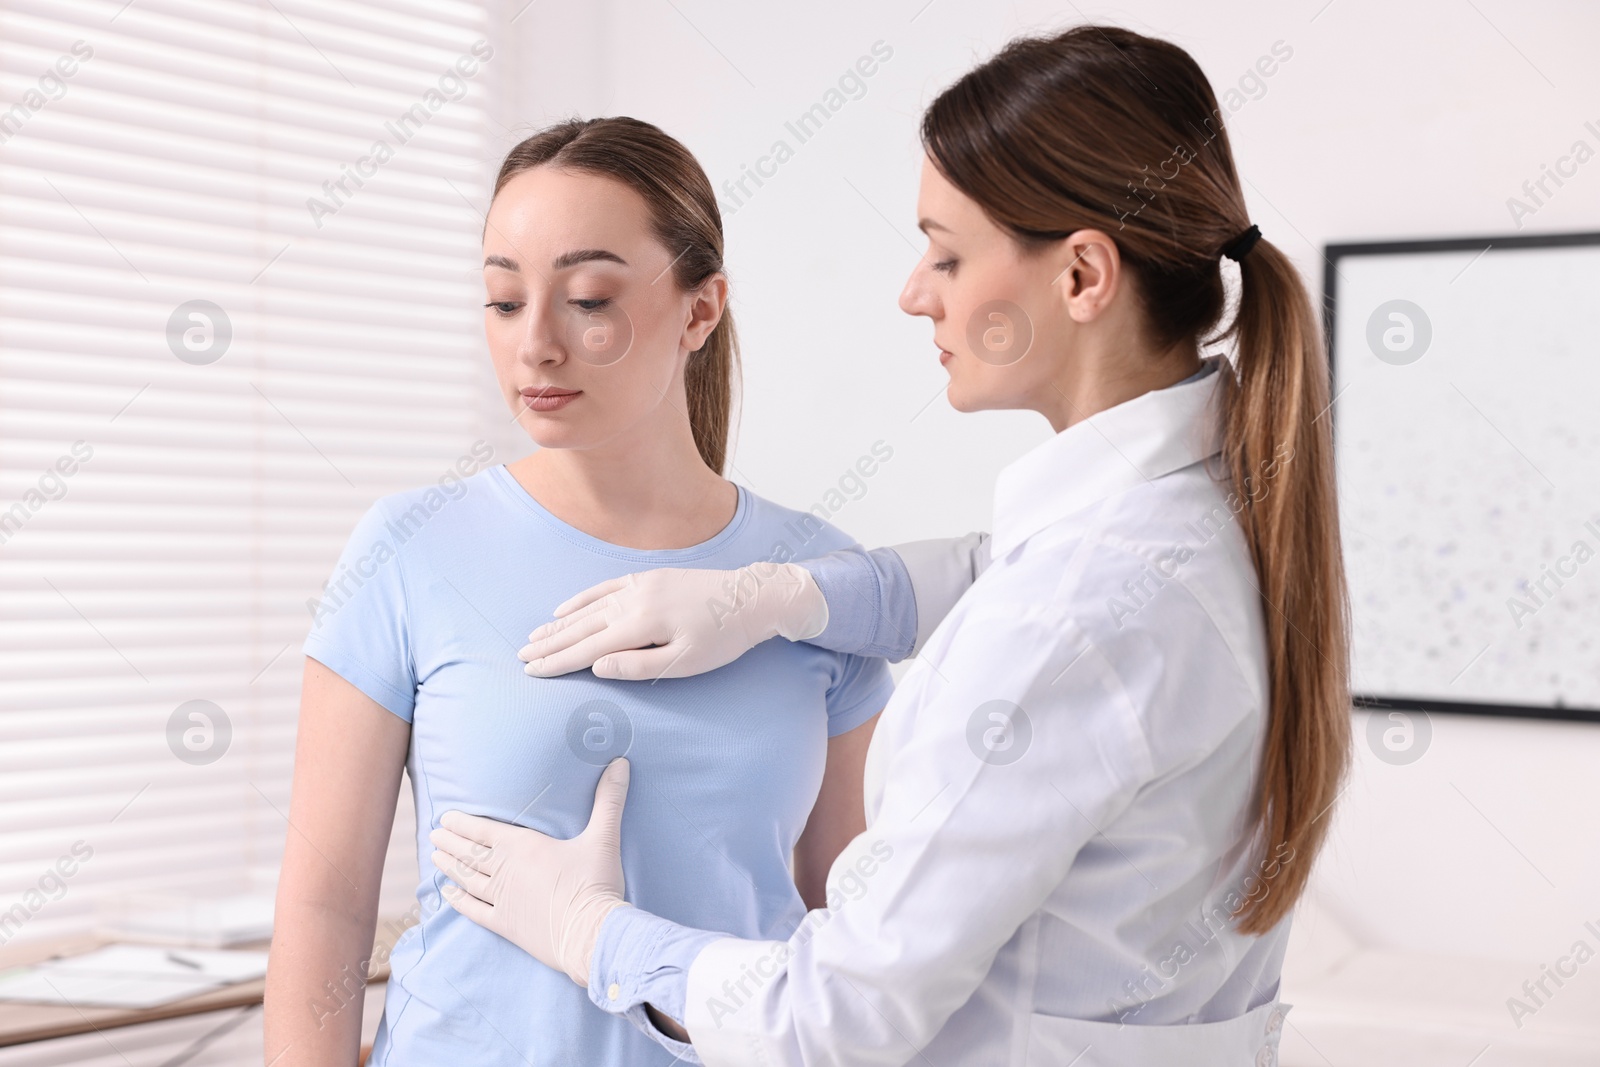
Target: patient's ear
[[705, 310]]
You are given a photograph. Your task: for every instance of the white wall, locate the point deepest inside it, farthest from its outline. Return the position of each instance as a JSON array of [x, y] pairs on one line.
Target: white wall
[[1389, 120]]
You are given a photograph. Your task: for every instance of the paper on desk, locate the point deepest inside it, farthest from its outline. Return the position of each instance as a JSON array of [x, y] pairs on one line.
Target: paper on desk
[[129, 976], [214, 922]]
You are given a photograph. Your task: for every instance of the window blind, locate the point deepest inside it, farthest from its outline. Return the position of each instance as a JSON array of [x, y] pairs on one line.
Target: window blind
[[238, 303]]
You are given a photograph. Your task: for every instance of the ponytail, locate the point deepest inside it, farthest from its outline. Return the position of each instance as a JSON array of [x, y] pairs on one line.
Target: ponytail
[[1278, 448]]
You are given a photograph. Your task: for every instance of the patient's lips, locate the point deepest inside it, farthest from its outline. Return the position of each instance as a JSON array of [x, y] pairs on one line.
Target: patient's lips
[[548, 397]]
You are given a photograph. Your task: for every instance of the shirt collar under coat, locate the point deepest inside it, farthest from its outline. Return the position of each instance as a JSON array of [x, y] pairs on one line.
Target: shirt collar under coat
[[1108, 453]]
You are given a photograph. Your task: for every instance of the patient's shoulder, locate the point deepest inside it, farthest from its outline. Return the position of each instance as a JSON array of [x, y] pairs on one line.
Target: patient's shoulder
[[787, 534], [428, 513]]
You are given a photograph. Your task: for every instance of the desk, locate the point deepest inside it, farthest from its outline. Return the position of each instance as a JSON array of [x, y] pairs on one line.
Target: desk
[[21, 1023]]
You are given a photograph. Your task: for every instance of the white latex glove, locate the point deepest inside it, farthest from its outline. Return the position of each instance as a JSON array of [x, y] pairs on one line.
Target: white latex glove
[[545, 895], [698, 620]]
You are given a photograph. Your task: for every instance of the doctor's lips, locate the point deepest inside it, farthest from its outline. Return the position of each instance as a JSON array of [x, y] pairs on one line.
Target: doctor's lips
[[548, 397]]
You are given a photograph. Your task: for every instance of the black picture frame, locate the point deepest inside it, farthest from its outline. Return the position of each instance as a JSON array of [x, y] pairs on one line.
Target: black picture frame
[[1332, 254]]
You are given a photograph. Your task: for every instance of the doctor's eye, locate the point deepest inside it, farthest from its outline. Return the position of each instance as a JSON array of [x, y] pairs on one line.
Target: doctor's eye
[[591, 305], [504, 307]]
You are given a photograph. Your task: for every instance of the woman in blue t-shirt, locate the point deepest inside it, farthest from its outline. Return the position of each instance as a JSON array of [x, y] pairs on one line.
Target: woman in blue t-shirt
[[608, 326]]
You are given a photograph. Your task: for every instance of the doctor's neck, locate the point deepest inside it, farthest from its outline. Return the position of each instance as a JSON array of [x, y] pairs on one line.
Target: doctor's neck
[[1110, 369]]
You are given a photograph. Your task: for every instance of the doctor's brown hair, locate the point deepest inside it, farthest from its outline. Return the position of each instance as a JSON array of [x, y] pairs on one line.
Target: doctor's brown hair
[[684, 218], [1102, 128]]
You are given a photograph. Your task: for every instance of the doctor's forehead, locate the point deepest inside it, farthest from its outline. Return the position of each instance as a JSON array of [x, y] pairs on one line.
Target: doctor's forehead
[[942, 209]]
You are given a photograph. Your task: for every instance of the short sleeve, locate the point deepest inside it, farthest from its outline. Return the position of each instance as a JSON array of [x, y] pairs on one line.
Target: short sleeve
[[863, 688], [359, 628]]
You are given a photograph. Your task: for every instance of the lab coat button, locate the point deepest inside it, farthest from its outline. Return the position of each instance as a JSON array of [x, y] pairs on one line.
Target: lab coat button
[[1265, 1057], [1275, 1021], [614, 992]]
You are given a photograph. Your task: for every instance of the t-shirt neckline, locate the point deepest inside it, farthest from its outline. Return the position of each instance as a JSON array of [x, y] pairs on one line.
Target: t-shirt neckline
[[567, 532]]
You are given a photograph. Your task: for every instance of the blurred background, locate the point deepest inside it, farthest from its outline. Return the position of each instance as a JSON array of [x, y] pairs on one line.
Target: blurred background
[[239, 301]]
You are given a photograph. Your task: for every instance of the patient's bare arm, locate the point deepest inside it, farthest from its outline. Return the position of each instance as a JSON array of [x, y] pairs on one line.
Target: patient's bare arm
[[349, 753], [837, 817]]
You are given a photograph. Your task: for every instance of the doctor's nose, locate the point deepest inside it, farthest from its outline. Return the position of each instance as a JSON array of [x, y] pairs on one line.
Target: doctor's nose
[[917, 297]]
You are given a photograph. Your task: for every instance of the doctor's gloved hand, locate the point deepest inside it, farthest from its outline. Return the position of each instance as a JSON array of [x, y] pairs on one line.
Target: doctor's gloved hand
[[545, 895], [673, 623]]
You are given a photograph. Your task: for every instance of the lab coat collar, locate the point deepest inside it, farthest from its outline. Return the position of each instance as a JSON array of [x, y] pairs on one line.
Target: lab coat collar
[[1110, 452]]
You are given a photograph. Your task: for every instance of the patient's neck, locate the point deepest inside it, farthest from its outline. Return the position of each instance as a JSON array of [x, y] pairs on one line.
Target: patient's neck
[[648, 489]]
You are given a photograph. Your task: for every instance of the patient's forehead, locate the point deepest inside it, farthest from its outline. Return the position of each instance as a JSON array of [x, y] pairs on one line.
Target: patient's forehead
[[545, 212]]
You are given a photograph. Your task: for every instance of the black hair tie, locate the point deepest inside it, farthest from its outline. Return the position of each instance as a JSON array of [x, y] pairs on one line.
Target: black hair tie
[[1241, 245]]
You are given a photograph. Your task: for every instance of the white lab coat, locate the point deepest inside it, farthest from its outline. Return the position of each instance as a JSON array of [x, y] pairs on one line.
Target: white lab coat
[[1052, 885]]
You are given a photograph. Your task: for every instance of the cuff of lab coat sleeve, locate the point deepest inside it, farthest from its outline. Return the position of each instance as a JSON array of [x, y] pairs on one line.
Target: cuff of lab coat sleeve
[[640, 959], [731, 1013], [872, 610]]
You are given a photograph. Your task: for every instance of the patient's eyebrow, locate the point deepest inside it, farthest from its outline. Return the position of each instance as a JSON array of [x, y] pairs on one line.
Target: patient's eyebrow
[[926, 224], [561, 262], [585, 255]]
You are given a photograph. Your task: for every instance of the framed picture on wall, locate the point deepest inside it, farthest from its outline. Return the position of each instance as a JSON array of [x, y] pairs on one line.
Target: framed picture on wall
[[1466, 383]]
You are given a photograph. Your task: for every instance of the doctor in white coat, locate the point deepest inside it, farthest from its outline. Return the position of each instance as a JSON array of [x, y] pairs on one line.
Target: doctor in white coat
[[1096, 796]]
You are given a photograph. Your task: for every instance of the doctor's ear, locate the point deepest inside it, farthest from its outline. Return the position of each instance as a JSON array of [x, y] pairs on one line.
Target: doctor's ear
[[706, 307], [1088, 272]]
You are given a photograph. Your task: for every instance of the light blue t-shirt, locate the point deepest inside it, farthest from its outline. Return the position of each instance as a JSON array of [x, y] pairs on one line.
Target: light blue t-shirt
[[436, 591]]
